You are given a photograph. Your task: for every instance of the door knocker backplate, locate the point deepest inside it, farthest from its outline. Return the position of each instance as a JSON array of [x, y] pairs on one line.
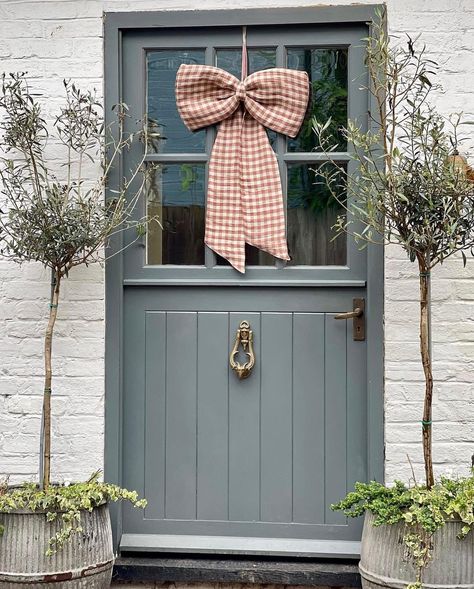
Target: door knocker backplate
[[244, 338]]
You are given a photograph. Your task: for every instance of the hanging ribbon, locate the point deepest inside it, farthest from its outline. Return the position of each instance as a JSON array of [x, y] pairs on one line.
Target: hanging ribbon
[[244, 195]]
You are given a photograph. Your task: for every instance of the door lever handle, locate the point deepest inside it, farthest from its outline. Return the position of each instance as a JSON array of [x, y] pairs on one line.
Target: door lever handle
[[357, 312], [358, 319]]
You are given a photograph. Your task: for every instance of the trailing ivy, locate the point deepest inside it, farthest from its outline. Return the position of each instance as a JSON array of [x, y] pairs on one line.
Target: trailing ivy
[[65, 502], [423, 510]]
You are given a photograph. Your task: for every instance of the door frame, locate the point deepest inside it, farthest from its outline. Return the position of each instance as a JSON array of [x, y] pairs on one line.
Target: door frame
[[115, 23]]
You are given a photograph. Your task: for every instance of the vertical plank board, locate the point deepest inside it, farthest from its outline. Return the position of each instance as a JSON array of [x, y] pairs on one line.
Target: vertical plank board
[[244, 431], [181, 363], [133, 400], [155, 413], [212, 429], [276, 417], [335, 415], [356, 409], [308, 418]]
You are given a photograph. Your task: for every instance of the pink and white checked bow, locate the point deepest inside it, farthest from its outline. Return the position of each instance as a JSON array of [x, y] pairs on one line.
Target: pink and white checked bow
[[244, 196]]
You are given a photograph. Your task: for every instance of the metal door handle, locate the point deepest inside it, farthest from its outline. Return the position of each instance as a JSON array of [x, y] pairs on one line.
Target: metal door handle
[[243, 337], [357, 315], [357, 312]]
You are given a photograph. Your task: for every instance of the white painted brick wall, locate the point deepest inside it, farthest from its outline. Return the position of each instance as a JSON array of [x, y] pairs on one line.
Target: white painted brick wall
[[51, 40]]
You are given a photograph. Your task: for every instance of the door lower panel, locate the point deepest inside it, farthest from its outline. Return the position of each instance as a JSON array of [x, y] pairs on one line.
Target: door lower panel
[[258, 458]]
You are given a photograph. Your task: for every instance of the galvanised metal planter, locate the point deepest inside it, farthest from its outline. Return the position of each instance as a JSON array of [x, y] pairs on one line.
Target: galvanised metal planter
[[85, 561], [384, 560]]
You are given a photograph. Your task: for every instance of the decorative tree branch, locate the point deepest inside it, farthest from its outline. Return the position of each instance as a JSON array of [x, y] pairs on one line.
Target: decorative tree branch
[[62, 222], [411, 187]]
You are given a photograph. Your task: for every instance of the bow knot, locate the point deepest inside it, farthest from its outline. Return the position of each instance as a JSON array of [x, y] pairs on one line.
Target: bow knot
[[244, 197], [241, 92]]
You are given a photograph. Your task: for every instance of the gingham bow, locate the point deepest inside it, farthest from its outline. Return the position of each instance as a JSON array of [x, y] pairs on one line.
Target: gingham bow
[[244, 197]]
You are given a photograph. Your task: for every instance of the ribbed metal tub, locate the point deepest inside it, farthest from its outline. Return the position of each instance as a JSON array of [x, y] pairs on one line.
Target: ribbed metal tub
[[384, 563], [85, 561]]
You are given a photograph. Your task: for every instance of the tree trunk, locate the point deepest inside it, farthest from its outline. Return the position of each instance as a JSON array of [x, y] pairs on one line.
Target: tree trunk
[[425, 349], [48, 378]]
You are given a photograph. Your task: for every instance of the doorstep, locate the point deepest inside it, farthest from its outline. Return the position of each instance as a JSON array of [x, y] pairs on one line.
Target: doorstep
[[166, 569]]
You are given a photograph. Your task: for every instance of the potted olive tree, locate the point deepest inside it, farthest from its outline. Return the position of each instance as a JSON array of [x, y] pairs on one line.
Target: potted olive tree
[[49, 532], [413, 189]]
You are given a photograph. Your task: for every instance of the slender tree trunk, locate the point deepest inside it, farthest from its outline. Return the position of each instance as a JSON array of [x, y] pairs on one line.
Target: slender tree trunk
[[48, 378], [425, 349]]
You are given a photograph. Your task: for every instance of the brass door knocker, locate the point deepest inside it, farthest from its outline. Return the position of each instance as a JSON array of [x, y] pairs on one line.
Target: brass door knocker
[[245, 337]]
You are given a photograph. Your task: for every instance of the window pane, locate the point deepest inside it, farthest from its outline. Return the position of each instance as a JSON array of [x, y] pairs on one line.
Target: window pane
[[175, 195], [312, 211], [327, 70], [253, 257], [259, 59], [162, 113]]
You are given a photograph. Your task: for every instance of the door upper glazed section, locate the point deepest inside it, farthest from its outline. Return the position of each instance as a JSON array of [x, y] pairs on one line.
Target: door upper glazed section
[[177, 159]]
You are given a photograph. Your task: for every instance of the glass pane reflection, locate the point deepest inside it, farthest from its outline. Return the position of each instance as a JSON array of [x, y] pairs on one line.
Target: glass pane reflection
[[327, 70], [162, 113], [259, 59], [176, 195], [312, 211]]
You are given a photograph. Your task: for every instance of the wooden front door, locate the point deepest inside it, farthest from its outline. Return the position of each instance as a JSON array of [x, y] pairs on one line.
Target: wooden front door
[[243, 466]]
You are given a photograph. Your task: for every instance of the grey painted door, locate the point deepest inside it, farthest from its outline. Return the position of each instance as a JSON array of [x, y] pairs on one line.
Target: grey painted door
[[251, 465]]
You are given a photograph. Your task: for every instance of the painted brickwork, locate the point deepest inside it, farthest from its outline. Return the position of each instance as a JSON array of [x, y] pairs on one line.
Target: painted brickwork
[[52, 40]]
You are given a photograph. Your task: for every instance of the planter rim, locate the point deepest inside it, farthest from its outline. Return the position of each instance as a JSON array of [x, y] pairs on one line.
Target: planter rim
[[56, 577]]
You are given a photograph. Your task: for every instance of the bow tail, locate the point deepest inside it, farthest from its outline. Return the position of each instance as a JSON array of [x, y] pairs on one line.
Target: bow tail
[[262, 197], [224, 216]]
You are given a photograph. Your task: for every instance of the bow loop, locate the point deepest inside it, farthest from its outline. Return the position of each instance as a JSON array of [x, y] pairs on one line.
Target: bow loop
[[205, 95], [277, 98]]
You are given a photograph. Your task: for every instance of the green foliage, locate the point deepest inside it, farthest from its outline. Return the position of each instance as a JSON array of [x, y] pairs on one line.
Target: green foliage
[[422, 510], [409, 187], [60, 218], [188, 176], [66, 503], [330, 101], [328, 73], [302, 193]]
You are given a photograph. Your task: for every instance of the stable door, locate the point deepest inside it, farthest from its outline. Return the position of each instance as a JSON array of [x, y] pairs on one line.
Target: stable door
[[244, 465]]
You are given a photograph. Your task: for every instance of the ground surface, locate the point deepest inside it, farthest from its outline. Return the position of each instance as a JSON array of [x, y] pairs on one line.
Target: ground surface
[[206, 586]]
